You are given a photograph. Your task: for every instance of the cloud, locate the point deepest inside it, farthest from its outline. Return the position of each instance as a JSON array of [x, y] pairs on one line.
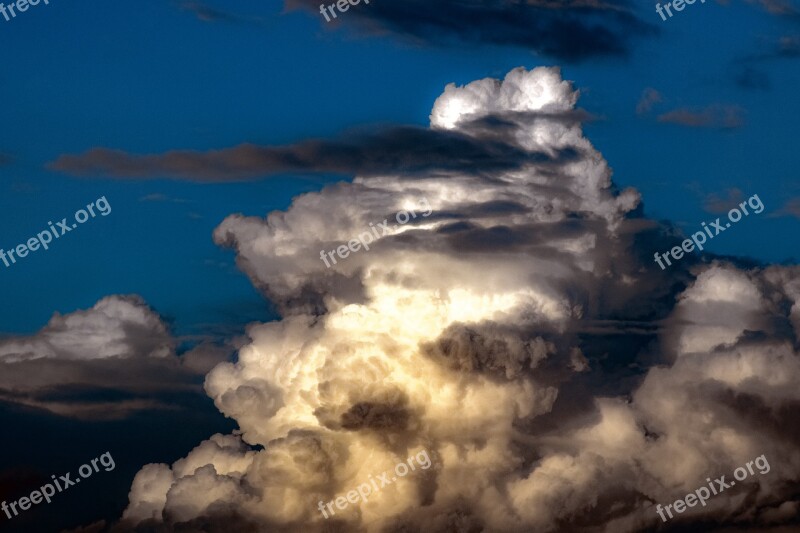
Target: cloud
[[569, 30], [784, 47], [521, 334], [206, 13], [154, 197], [753, 79], [649, 98], [749, 72], [106, 362], [713, 116], [718, 205], [780, 8], [790, 208], [24, 187], [159, 197], [788, 47], [410, 148]]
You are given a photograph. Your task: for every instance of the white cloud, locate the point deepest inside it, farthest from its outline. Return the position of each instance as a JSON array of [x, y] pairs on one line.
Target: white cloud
[[473, 333]]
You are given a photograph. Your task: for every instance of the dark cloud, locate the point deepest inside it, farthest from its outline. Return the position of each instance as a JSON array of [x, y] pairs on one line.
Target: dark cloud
[[749, 74], [788, 47], [407, 148], [488, 350], [751, 78], [378, 416], [107, 362], [784, 47], [714, 116], [569, 30], [57, 445]]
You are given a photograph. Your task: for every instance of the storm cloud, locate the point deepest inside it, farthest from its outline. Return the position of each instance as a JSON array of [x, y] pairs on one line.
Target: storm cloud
[[521, 334]]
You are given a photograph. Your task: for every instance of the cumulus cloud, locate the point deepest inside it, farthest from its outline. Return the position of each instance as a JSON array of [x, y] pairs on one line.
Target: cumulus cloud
[[521, 334], [569, 30], [105, 362]]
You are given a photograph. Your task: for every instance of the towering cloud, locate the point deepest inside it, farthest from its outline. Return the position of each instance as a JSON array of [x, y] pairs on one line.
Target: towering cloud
[[521, 334]]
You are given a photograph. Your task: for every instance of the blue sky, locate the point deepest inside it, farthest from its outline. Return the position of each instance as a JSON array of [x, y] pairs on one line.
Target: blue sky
[[156, 77]]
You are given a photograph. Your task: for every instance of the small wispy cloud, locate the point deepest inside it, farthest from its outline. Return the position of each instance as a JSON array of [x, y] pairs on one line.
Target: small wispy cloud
[[753, 79], [159, 197], [790, 209], [649, 98], [779, 8], [209, 14], [713, 116], [722, 204]]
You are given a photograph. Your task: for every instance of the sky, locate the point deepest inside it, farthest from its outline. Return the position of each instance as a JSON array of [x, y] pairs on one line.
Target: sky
[[233, 143]]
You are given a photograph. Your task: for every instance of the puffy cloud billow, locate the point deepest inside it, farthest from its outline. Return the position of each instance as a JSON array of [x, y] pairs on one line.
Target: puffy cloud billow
[[107, 362], [521, 334]]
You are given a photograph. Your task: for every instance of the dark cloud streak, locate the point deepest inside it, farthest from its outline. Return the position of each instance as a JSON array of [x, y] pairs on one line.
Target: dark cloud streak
[[569, 30], [407, 148]]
